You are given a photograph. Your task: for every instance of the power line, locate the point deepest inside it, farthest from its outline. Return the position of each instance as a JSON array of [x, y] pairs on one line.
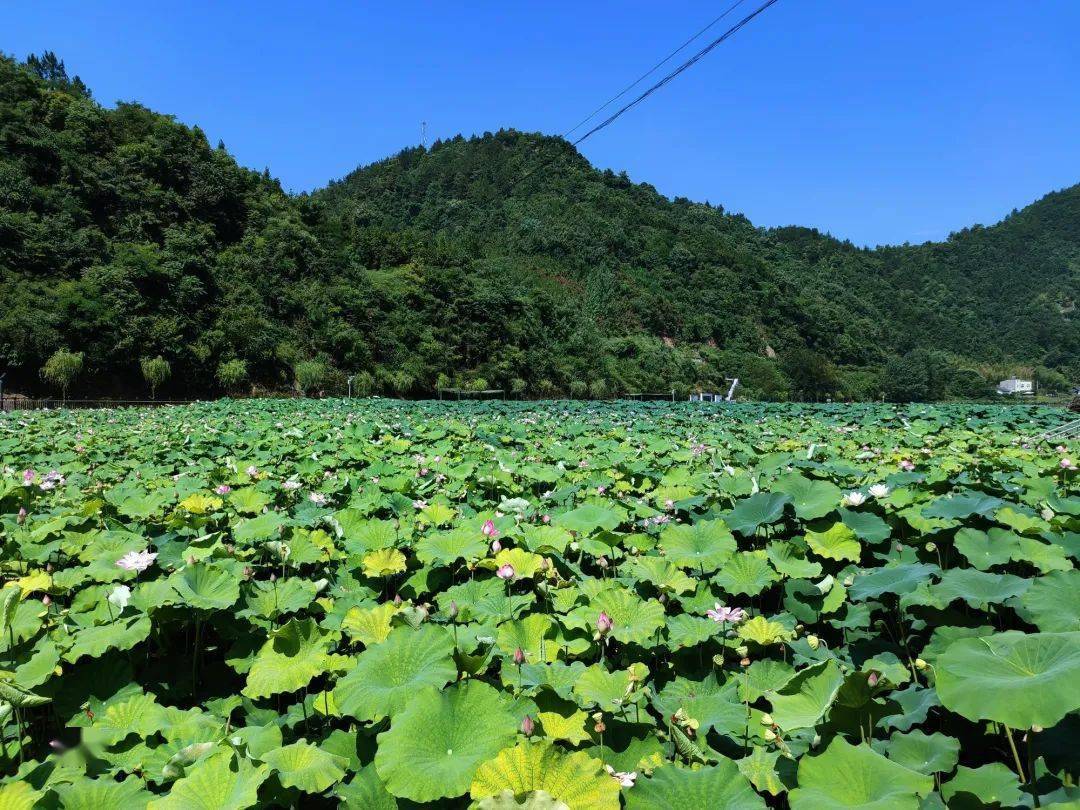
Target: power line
[[684, 66], [677, 71], [651, 70]]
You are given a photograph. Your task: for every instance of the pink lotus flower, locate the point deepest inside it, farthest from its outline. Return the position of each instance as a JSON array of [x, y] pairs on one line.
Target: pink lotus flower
[[907, 465], [519, 656], [22, 515], [726, 615], [291, 485], [317, 498], [252, 470], [223, 489], [1067, 464], [28, 476], [489, 529], [604, 623], [137, 560], [528, 726], [505, 571], [545, 519], [872, 679]]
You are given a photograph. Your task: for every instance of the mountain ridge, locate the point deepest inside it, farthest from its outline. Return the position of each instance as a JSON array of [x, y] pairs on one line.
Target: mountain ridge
[[504, 259]]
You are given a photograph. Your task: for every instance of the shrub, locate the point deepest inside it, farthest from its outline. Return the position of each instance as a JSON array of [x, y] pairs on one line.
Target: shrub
[[155, 371], [61, 369]]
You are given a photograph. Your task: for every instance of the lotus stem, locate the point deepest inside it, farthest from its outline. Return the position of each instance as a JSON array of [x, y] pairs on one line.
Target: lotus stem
[[1015, 753]]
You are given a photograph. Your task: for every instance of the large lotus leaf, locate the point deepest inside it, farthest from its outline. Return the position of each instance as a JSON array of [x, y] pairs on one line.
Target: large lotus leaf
[[978, 588], [685, 630], [305, 766], [713, 705], [524, 563], [1018, 679], [362, 536], [767, 771], [588, 517], [764, 676], [848, 775], [265, 599], [94, 794], [443, 548], [715, 786], [484, 600], [506, 800], [534, 635], [635, 620], [866, 525], [747, 572], [805, 699], [598, 687], [139, 714], [295, 653], [383, 562], [987, 786], [220, 782], [206, 586], [757, 510], [787, 559], [662, 574], [925, 753], [811, 498], [702, 546], [19, 796], [387, 676], [369, 625], [122, 634], [984, 550], [575, 779], [900, 578], [266, 526], [365, 791], [838, 542], [1044, 556], [435, 746], [1052, 603], [763, 631], [962, 506]]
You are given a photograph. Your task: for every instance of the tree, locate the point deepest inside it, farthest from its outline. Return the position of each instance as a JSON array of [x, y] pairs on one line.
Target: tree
[[232, 374], [598, 389], [61, 369], [811, 374], [578, 389], [155, 371], [518, 387], [309, 375]]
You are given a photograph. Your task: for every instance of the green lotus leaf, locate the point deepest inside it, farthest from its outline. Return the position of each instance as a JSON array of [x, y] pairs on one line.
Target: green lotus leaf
[[444, 548], [787, 560], [713, 705], [1052, 603], [747, 572], [140, 714], [370, 625], [383, 562], [122, 634], [662, 574], [362, 536], [366, 792], [266, 526], [757, 510], [689, 631], [597, 687], [388, 676], [673, 788], [763, 631], [1014, 678], [534, 635], [804, 700], [294, 654], [811, 498], [986, 786], [767, 771], [305, 767], [220, 782], [838, 542], [588, 518], [962, 506], [846, 775], [635, 620], [763, 677], [866, 525], [576, 779], [899, 578], [19, 796], [206, 586], [93, 794], [978, 588], [925, 753], [702, 546], [984, 550], [435, 746]]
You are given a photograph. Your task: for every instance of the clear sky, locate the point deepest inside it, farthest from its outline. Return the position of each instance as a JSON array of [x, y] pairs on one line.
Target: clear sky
[[878, 121]]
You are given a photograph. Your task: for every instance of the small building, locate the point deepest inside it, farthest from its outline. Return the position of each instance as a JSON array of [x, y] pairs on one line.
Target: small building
[[1015, 386], [706, 396]]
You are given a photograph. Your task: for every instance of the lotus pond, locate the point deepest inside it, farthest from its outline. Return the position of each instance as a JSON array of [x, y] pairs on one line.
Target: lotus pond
[[591, 606]]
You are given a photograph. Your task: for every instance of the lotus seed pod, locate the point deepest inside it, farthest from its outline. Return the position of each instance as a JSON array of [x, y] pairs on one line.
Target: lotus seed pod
[[931, 547], [742, 651], [766, 720], [770, 735], [920, 664], [813, 641]]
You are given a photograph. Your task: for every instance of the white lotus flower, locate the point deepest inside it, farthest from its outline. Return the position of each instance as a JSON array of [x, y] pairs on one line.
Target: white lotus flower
[[137, 560], [120, 597], [624, 779], [879, 490], [853, 499]]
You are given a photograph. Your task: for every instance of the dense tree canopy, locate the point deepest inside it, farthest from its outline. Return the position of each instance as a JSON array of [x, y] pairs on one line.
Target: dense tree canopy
[[505, 258]]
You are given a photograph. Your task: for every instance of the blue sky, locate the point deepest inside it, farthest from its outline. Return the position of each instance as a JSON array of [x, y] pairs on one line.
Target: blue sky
[[882, 122]]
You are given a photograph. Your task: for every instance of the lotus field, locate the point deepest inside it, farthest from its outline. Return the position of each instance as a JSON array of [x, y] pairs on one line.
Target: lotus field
[[562, 605]]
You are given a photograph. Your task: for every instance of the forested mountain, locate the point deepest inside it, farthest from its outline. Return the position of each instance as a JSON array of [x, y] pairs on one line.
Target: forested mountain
[[499, 261]]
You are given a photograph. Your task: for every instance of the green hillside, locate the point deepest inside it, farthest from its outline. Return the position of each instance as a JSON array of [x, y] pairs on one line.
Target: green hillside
[[503, 261]]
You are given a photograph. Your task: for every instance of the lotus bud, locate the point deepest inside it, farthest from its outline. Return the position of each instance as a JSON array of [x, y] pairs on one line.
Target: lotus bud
[[1047, 513], [574, 546], [248, 572], [742, 650], [920, 664], [872, 679], [1036, 729], [602, 561], [453, 611], [46, 600], [48, 568], [22, 515], [528, 726], [745, 662], [273, 577], [814, 743], [599, 728], [604, 623], [813, 641], [519, 656], [397, 600], [496, 546]]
